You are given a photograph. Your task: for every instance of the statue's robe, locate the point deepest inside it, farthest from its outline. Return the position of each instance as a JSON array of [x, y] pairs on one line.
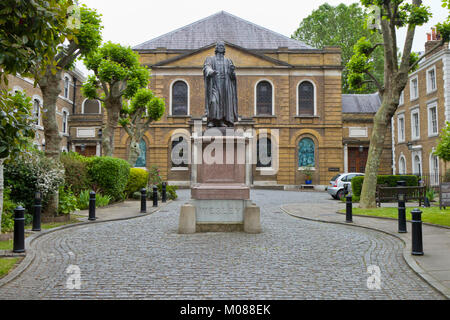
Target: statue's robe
[[220, 101]]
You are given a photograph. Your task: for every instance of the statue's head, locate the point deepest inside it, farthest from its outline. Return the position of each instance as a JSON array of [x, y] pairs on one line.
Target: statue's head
[[220, 47]]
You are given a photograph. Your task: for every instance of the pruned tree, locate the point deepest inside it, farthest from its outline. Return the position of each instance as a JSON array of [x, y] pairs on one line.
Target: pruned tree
[[79, 39], [136, 118], [443, 147], [117, 76], [16, 131], [342, 26], [389, 16]]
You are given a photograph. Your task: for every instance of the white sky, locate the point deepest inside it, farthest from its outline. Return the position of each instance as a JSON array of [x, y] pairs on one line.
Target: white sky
[[132, 22]]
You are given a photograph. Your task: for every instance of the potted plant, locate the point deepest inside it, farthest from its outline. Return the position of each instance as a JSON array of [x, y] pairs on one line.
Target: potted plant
[[308, 172]]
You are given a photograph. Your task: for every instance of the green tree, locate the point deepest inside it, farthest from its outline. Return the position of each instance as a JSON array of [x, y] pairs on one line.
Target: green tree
[[389, 15], [137, 116], [16, 130], [117, 76], [342, 26], [29, 33], [443, 147], [79, 39]]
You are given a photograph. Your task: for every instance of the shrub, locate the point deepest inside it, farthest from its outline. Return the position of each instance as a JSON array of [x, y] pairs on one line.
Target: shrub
[[430, 194], [76, 173], [67, 201], [154, 177], [447, 176], [31, 172], [102, 201], [8, 212], [83, 200], [109, 175], [138, 179], [389, 180]]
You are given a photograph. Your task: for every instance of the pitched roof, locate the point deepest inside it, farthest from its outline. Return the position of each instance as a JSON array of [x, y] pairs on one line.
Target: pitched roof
[[361, 103], [225, 27]]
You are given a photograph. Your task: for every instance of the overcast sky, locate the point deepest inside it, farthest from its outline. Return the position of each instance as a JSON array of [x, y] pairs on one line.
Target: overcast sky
[[131, 22]]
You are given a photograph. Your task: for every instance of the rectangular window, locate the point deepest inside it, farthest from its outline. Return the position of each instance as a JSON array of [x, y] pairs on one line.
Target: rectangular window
[[401, 101], [432, 120], [431, 80], [415, 125], [401, 128], [414, 88]]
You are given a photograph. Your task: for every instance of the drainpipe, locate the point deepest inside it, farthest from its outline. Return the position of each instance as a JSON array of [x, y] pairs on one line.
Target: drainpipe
[[74, 95]]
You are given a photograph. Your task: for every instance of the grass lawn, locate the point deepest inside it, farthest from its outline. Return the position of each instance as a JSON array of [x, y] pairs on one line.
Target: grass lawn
[[6, 245], [46, 226], [6, 264], [431, 215]]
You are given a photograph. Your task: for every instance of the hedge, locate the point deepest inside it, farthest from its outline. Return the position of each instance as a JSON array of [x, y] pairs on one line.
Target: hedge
[[138, 179], [76, 172], [389, 180], [109, 176]]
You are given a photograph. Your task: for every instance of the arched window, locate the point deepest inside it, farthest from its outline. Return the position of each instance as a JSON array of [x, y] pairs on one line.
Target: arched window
[[306, 153], [141, 161], [179, 155], [434, 170], [264, 96], [264, 153], [402, 165], [179, 98], [417, 165], [65, 119], [306, 99], [91, 106], [66, 87], [36, 110]]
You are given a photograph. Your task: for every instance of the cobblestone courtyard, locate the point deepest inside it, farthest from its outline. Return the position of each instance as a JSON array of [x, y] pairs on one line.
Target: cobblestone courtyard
[[145, 258]]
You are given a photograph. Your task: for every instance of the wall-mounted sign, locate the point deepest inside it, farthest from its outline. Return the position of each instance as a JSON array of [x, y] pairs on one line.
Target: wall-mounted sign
[[334, 169]]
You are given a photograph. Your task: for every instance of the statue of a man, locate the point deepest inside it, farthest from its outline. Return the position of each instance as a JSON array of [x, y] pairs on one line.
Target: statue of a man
[[220, 89]]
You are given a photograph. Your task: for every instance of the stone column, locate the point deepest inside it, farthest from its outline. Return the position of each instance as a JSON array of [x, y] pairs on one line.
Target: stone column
[[345, 158]]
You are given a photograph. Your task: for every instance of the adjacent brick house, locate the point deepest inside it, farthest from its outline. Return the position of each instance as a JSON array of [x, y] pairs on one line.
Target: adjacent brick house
[[422, 113]]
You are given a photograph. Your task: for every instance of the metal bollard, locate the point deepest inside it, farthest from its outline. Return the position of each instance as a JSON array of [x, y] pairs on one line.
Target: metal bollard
[[401, 209], [417, 245], [19, 230], [155, 196], [349, 210], [92, 206], [143, 200], [37, 212], [164, 192]]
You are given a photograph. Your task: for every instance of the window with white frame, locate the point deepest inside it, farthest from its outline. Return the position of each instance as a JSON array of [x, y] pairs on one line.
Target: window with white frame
[[36, 110], [402, 165], [431, 79], [401, 101], [66, 87], [306, 99], [65, 118], [434, 170], [415, 124], [432, 120], [401, 127], [417, 167], [414, 88]]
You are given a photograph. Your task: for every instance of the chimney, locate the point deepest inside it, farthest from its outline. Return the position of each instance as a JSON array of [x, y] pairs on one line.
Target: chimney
[[433, 38]]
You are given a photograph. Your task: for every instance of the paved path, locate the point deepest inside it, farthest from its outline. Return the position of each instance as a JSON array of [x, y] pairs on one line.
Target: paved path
[[145, 258]]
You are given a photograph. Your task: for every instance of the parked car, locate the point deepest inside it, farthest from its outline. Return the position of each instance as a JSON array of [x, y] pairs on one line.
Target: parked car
[[337, 183]]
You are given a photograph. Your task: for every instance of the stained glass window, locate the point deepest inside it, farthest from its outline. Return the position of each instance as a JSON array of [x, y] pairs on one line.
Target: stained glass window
[[141, 162], [306, 153], [179, 98], [179, 153], [264, 153], [264, 98], [306, 98]]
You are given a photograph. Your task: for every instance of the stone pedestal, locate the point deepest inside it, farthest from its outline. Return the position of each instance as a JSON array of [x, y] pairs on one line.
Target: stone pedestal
[[220, 185]]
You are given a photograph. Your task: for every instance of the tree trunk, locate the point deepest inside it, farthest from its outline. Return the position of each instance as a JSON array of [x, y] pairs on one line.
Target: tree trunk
[[135, 151], [50, 85], [113, 108], [1, 192]]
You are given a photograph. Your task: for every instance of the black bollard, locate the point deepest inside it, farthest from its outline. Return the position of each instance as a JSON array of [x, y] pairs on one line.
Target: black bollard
[[349, 210], [417, 245], [92, 206], [143, 200], [401, 208], [155, 196], [37, 212], [345, 190], [164, 192], [19, 230]]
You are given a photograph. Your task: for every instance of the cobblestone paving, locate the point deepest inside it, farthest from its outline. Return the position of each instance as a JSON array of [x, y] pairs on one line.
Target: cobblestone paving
[[145, 258]]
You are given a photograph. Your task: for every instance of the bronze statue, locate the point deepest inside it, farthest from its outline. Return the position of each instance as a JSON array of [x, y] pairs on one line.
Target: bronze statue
[[220, 89]]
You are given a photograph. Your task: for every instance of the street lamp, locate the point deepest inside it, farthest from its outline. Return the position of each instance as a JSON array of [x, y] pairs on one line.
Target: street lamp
[[410, 145]]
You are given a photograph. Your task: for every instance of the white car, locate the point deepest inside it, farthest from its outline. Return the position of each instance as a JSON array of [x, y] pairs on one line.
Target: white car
[[337, 183]]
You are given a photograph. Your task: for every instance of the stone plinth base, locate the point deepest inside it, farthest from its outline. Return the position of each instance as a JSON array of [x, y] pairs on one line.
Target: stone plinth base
[[231, 191], [219, 216]]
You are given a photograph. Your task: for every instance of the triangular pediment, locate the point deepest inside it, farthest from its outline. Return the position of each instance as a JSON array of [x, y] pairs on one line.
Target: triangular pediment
[[242, 58]]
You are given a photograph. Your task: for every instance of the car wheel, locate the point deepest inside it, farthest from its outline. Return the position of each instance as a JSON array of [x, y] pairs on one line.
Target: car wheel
[[334, 197], [340, 194]]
